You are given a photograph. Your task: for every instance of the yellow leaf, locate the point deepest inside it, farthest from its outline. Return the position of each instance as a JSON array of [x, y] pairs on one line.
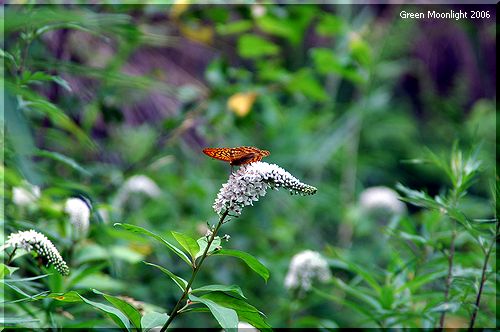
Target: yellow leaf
[[241, 103], [143, 249], [179, 7], [200, 34]]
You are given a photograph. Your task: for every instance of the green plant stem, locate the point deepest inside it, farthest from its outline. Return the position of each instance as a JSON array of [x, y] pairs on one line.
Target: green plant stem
[[9, 259], [483, 280], [449, 277], [196, 268]]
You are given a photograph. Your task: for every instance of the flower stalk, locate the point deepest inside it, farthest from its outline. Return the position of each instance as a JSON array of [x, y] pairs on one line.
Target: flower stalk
[[483, 279], [449, 276], [196, 267]]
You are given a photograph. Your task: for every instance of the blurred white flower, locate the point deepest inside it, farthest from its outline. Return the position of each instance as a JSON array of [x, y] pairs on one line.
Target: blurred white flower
[[258, 10], [381, 199], [25, 195], [32, 240], [251, 181], [79, 214], [141, 184], [306, 267], [245, 327], [137, 184]]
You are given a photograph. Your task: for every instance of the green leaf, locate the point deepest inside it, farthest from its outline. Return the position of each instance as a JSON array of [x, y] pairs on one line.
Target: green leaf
[[416, 283], [279, 27], [130, 311], [418, 198], [360, 293], [232, 28], [178, 280], [140, 230], [203, 242], [251, 261], [10, 57], [118, 317], [387, 297], [153, 319], [56, 115], [8, 281], [62, 82], [6, 320], [246, 312], [222, 288], [366, 275], [327, 62], [251, 46], [6, 270], [227, 318], [63, 159], [187, 243], [330, 25], [372, 314], [304, 82], [411, 237], [360, 50]]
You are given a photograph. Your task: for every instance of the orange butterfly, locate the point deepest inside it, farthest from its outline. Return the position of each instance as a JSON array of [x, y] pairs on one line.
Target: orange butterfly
[[237, 156]]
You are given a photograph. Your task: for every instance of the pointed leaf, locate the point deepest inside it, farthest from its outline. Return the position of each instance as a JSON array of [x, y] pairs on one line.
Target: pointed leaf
[[227, 318], [153, 319], [140, 230], [6, 270], [63, 159], [129, 310], [246, 312], [178, 280], [118, 317], [222, 288], [203, 242], [6, 321], [251, 261], [187, 243], [70, 296]]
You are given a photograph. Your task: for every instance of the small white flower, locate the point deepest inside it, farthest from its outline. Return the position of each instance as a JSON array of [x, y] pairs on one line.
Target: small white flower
[[251, 181], [25, 195], [32, 240], [306, 267], [381, 198], [79, 214]]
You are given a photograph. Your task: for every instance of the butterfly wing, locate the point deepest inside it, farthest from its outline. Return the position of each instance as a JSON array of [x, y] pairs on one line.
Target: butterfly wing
[[237, 156], [247, 154], [223, 154]]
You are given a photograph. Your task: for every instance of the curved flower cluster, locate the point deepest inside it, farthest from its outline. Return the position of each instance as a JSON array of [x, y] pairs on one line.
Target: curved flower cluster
[[79, 214], [32, 240], [381, 198], [305, 267], [251, 181]]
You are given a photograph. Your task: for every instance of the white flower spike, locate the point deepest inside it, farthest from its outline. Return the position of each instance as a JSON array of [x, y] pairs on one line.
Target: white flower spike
[[251, 181], [37, 242]]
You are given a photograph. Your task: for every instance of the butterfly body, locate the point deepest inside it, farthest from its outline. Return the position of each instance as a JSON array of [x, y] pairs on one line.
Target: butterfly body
[[237, 156]]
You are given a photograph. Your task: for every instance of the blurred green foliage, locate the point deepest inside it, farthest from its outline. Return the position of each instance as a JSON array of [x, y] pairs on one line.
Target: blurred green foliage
[[344, 97]]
